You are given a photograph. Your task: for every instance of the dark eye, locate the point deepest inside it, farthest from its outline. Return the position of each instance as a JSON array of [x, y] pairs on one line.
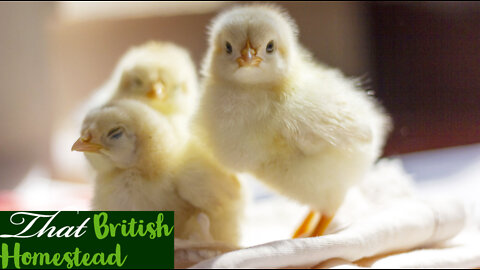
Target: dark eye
[[115, 133], [228, 47], [137, 81], [270, 47]]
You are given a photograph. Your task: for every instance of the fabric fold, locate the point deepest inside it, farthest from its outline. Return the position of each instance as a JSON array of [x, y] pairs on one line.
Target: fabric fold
[[401, 226]]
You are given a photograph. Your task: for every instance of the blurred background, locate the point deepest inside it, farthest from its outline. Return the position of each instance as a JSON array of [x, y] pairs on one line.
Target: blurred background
[[422, 60]]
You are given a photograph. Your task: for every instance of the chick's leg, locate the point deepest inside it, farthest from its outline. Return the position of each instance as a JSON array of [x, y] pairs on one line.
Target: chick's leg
[[322, 225], [303, 229]]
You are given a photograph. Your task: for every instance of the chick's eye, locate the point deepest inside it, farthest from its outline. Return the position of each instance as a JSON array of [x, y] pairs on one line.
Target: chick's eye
[[137, 81], [115, 133], [228, 47], [270, 47]]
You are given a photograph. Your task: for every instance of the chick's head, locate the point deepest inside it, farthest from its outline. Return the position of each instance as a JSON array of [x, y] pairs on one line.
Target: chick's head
[[145, 80], [162, 74], [124, 134], [251, 44]]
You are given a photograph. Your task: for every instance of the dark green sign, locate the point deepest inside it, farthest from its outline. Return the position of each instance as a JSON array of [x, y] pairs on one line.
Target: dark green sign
[[86, 240]]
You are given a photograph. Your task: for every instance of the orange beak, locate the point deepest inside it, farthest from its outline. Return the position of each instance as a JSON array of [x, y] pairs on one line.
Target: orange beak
[[84, 145], [249, 56], [157, 91]]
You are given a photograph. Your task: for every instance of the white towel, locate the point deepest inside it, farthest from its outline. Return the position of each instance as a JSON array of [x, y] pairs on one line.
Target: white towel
[[404, 225], [380, 217], [463, 251], [188, 252]]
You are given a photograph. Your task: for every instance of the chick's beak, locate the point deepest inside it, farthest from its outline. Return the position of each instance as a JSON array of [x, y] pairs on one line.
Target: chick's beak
[[157, 91], [249, 56], [84, 145]]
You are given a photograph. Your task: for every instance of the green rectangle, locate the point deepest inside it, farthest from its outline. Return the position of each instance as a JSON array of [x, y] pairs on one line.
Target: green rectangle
[[127, 239]]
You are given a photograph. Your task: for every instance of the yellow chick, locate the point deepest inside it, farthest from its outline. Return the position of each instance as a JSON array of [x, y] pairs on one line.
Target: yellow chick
[[162, 75], [269, 109], [142, 165]]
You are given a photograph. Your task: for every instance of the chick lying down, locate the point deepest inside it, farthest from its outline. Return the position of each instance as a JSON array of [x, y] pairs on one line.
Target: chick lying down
[[142, 165]]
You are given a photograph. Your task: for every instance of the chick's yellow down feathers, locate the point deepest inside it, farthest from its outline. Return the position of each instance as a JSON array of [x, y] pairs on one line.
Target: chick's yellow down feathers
[[269, 109], [142, 165], [162, 74]]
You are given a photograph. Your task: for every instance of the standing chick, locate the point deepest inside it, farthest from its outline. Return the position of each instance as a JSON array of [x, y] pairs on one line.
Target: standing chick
[[142, 165], [268, 109]]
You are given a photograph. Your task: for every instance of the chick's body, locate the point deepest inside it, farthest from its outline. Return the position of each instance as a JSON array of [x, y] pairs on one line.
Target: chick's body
[[142, 165], [295, 142], [302, 128]]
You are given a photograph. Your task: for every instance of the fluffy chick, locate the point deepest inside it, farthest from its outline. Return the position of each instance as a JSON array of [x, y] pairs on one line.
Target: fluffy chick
[[162, 75], [142, 165], [269, 109]]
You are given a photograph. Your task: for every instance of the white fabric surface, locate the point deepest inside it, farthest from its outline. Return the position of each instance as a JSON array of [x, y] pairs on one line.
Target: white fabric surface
[[382, 216], [459, 252], [402, 226]]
